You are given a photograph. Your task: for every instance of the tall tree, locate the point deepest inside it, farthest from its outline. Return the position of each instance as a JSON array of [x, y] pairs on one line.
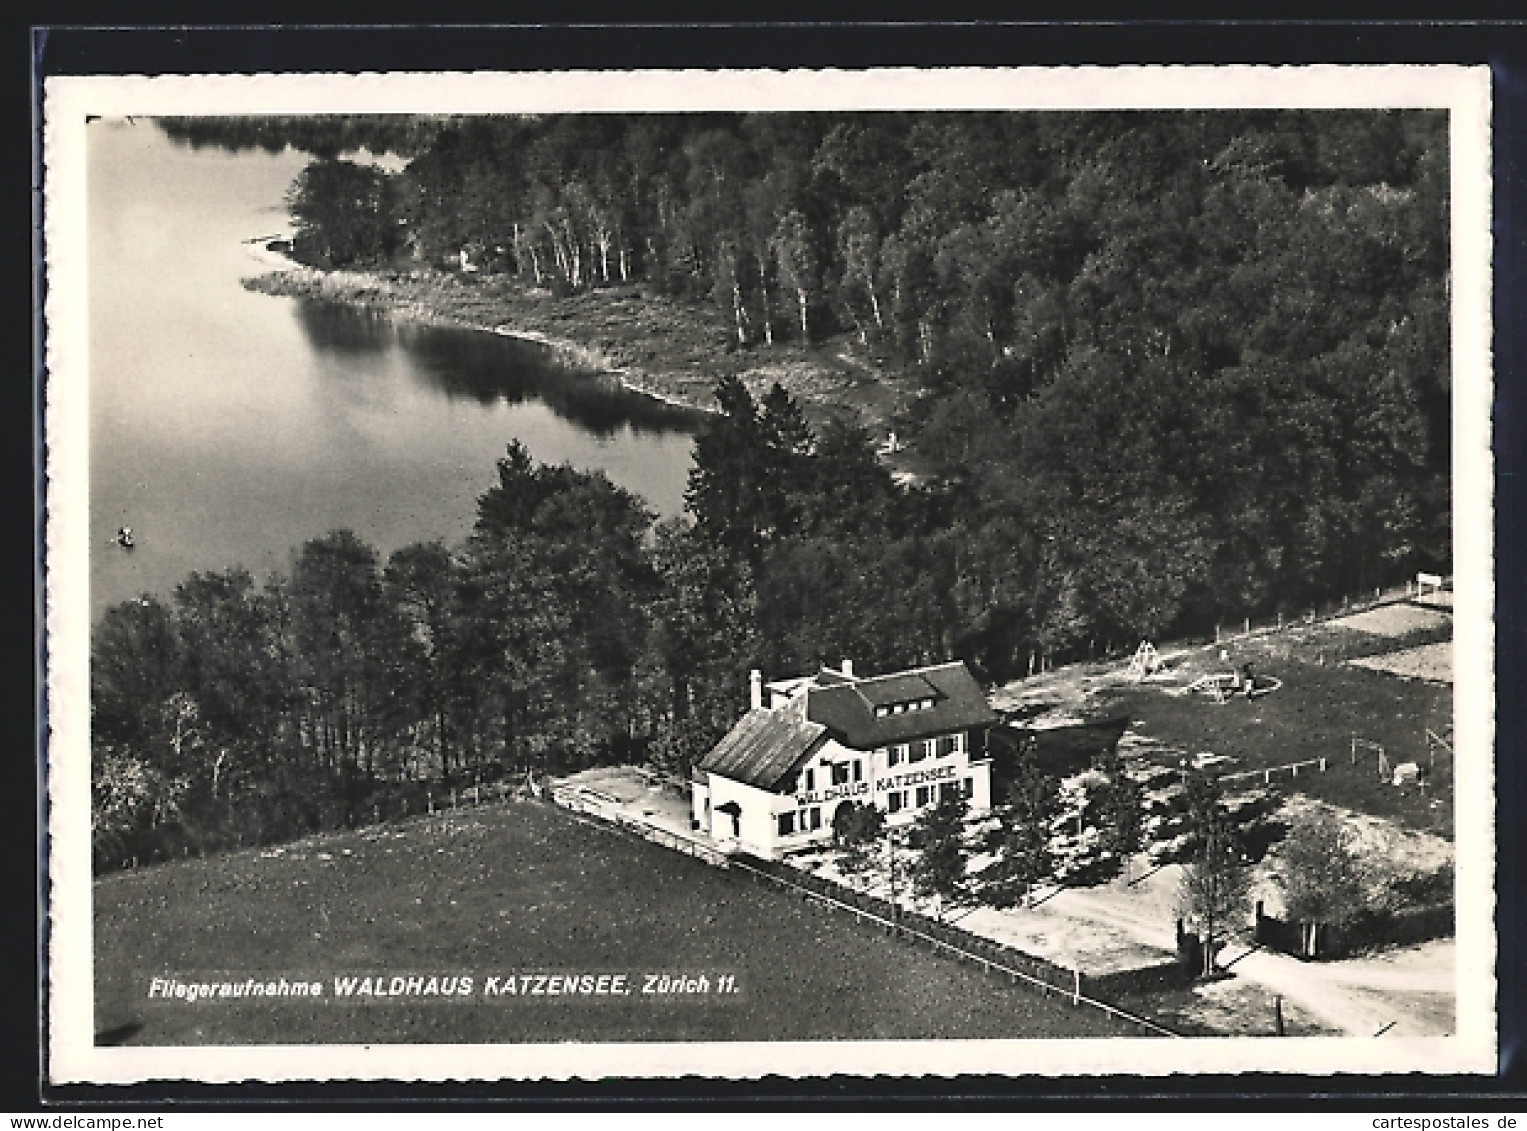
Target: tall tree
[[793, 252], [1022, 839], [135, 666], [1216, 883], [938, 836], [346, 214], [1319, 871], [729, 468], [346, 637], [857, 837]]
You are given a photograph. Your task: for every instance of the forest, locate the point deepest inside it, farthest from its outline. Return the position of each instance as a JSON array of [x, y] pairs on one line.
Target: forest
[[1173, 367], [1175, 364]]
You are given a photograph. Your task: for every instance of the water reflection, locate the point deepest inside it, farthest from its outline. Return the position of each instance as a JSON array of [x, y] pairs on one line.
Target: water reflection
[[227, 426], [491, 369]]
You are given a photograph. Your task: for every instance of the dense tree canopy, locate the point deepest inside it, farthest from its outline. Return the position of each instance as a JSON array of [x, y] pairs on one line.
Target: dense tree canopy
[[1173, 367], [1176, 365]]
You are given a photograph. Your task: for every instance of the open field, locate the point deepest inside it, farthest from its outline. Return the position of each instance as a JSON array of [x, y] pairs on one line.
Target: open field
[[1324, 700], [520, 889], [1426, 661]]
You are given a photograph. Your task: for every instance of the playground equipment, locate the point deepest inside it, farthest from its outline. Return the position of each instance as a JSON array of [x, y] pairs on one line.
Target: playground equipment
[[1146, 661], [1224, 686], [1374, 748], [1435, 740]]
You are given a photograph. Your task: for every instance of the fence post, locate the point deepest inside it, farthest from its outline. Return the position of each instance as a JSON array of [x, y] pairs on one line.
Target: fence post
[[1248, 627], [1076, 987]]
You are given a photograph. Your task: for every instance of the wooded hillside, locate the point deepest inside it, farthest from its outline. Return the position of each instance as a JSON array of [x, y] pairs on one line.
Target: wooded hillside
[[1175, 367], [1177, 363]]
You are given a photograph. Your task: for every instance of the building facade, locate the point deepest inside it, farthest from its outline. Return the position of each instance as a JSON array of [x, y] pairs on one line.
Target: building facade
[[812, 746]]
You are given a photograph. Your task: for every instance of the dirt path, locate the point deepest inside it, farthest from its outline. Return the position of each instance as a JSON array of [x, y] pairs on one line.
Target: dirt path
[[1409, 992]]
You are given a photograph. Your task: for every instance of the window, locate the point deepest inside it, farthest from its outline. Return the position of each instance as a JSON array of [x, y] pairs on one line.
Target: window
[[882, 712], [786, 824], [948, 789], [858, 770], [893, 802], [898, 756], [808, 781], [919, 751], [899, 708], [811, 819], [924, 795], [969, 789], [944, 746], [840, 773]]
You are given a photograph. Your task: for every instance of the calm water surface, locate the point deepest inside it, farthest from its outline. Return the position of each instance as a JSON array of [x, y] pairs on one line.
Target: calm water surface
[[227, 427]]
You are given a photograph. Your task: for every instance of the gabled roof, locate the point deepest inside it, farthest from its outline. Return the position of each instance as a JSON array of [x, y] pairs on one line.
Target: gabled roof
[[848, 710], [903, 687], [765, 747]]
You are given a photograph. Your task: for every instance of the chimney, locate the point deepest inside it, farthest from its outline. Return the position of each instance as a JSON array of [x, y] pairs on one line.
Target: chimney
[[848, 668], [755, 688]]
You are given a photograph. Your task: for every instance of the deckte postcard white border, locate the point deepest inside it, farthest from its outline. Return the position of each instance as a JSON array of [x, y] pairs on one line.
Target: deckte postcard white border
[[1462, 91]]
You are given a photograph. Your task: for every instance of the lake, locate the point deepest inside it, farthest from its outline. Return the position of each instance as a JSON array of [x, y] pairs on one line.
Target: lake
[[227, 427]]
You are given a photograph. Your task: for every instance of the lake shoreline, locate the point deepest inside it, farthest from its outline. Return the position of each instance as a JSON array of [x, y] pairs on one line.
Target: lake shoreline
[[654, 346], [393, 296]]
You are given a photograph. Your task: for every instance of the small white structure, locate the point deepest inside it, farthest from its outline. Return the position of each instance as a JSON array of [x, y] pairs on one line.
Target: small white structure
[[811, 746], [1407, 773], [1146, 661]]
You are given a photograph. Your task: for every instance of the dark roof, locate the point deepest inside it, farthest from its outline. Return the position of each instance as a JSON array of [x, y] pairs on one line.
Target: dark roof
[[903, 687], [765, 747], [848, 710]]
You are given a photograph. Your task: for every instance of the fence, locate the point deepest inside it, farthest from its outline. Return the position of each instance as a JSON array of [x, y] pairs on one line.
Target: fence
[[1325, 610], [990, 956], [1371, 929], [1245, 627], [1267, 773], [586, 801]]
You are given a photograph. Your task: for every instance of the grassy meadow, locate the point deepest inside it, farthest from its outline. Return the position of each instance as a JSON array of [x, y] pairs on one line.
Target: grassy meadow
[[512, 889]]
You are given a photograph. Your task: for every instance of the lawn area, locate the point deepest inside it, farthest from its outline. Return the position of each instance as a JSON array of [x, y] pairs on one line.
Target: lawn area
[[515, 889], [1315, 713]]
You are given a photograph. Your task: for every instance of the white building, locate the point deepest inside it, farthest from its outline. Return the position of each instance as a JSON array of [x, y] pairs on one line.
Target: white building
[[809, 747]]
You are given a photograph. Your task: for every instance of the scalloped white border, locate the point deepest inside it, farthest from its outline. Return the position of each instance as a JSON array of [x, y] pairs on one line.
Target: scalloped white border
[[1464, 91]]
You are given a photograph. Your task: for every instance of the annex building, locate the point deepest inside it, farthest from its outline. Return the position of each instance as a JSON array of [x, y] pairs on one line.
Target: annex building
[[811, 746]]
